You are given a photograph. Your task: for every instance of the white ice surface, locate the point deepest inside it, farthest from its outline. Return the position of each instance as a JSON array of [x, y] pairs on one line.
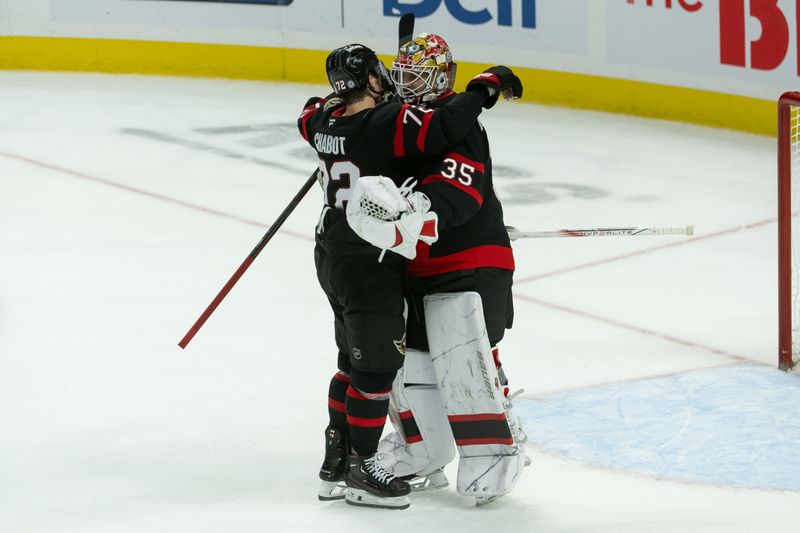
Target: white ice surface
[[127, 202]]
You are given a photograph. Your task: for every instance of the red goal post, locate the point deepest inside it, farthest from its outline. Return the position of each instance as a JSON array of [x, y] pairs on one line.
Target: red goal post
[[788, 230]]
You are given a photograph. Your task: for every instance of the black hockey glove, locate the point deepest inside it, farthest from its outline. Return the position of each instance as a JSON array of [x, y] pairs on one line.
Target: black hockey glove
[[496, 81]]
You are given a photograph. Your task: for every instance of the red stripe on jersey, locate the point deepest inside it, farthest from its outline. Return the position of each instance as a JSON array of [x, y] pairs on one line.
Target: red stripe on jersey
[[366, 422], [465, 160], [472, 442], [490, 255], [342, 377], [336, 406], [472, 191], [307, 114], [488, 76], [399, 141], [479, 417], [423, 131], [406, 414], [415, 438]]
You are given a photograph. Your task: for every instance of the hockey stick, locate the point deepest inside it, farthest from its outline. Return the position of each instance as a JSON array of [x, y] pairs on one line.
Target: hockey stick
[[405, 29], [273, 229], [514, 233]]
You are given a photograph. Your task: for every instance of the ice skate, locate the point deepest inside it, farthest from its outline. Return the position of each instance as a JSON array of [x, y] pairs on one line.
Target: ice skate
[[431, 481], [396, 456], [483, 500], [370, 485], [333, 467]]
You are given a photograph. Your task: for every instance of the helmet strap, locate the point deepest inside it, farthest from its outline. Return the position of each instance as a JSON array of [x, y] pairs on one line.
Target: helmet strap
[[377, 96]]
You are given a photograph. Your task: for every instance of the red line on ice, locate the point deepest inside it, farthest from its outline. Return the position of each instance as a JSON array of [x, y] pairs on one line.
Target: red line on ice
[[142, 192], [637, 329]]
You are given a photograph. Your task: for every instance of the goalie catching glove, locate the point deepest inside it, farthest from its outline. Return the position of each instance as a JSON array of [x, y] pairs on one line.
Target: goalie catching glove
[[383, 217]]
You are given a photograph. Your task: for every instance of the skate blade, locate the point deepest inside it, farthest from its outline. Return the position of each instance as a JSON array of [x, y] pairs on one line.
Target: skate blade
[[480, 501], [434, 480], [362, 498], [331, 491]]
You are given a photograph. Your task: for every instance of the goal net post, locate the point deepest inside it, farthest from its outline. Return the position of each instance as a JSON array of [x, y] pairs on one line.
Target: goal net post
[[788, 230]]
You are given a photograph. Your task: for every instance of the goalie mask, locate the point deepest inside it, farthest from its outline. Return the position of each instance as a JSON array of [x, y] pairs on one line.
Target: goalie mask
[[424, 69]]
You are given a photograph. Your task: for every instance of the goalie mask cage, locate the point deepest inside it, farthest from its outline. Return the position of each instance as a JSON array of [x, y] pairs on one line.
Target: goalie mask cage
[[788, 230]]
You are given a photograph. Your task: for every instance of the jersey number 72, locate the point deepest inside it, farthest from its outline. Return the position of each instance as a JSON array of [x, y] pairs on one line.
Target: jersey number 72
[[337, 178]]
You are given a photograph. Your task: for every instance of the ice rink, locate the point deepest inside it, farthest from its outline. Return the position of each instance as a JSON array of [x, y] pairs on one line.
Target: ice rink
[[652, 401]]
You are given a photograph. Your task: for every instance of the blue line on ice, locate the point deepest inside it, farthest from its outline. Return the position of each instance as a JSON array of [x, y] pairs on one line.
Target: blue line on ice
[[737, 426]]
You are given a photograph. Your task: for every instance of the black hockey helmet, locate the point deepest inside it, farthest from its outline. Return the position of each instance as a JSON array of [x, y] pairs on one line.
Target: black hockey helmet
[[349, 68]]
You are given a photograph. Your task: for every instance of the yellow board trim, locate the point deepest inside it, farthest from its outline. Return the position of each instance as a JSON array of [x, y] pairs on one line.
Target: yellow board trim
[[307, 66]]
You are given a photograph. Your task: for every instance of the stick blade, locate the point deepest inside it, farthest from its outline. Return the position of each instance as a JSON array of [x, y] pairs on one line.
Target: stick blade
[[513, 233], [405, 29]]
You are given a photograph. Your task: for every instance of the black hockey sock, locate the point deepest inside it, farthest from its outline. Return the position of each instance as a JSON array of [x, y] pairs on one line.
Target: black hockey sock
[[366, 416], [336, 398]]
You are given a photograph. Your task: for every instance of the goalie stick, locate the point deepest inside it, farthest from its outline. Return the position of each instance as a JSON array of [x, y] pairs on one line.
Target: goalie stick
[[514, 233], [405, 29], [273, 229]]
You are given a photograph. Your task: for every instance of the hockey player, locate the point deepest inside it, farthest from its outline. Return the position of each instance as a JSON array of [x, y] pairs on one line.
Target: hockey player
[[460, 286], [356, 133]]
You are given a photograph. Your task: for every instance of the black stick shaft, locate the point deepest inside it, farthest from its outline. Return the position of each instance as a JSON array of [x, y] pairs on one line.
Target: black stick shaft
[[405, 29]]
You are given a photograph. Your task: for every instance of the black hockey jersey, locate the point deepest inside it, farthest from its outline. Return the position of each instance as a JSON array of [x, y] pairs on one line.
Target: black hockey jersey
[[472, 232], [386, 140]]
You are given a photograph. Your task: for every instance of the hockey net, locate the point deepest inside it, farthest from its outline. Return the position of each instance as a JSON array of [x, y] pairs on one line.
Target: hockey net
[[788, 230]]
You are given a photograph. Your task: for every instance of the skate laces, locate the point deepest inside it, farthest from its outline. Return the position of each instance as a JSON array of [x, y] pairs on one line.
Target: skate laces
[[374, 467]]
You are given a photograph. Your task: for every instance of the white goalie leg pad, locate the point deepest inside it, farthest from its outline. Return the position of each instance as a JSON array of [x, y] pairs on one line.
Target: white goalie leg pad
[[491, 475], [422, 442], [491, 461]]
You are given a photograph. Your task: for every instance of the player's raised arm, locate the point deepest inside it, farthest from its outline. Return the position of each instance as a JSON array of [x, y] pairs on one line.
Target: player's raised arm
[[313, 105], [450, 122], [423, 72]]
